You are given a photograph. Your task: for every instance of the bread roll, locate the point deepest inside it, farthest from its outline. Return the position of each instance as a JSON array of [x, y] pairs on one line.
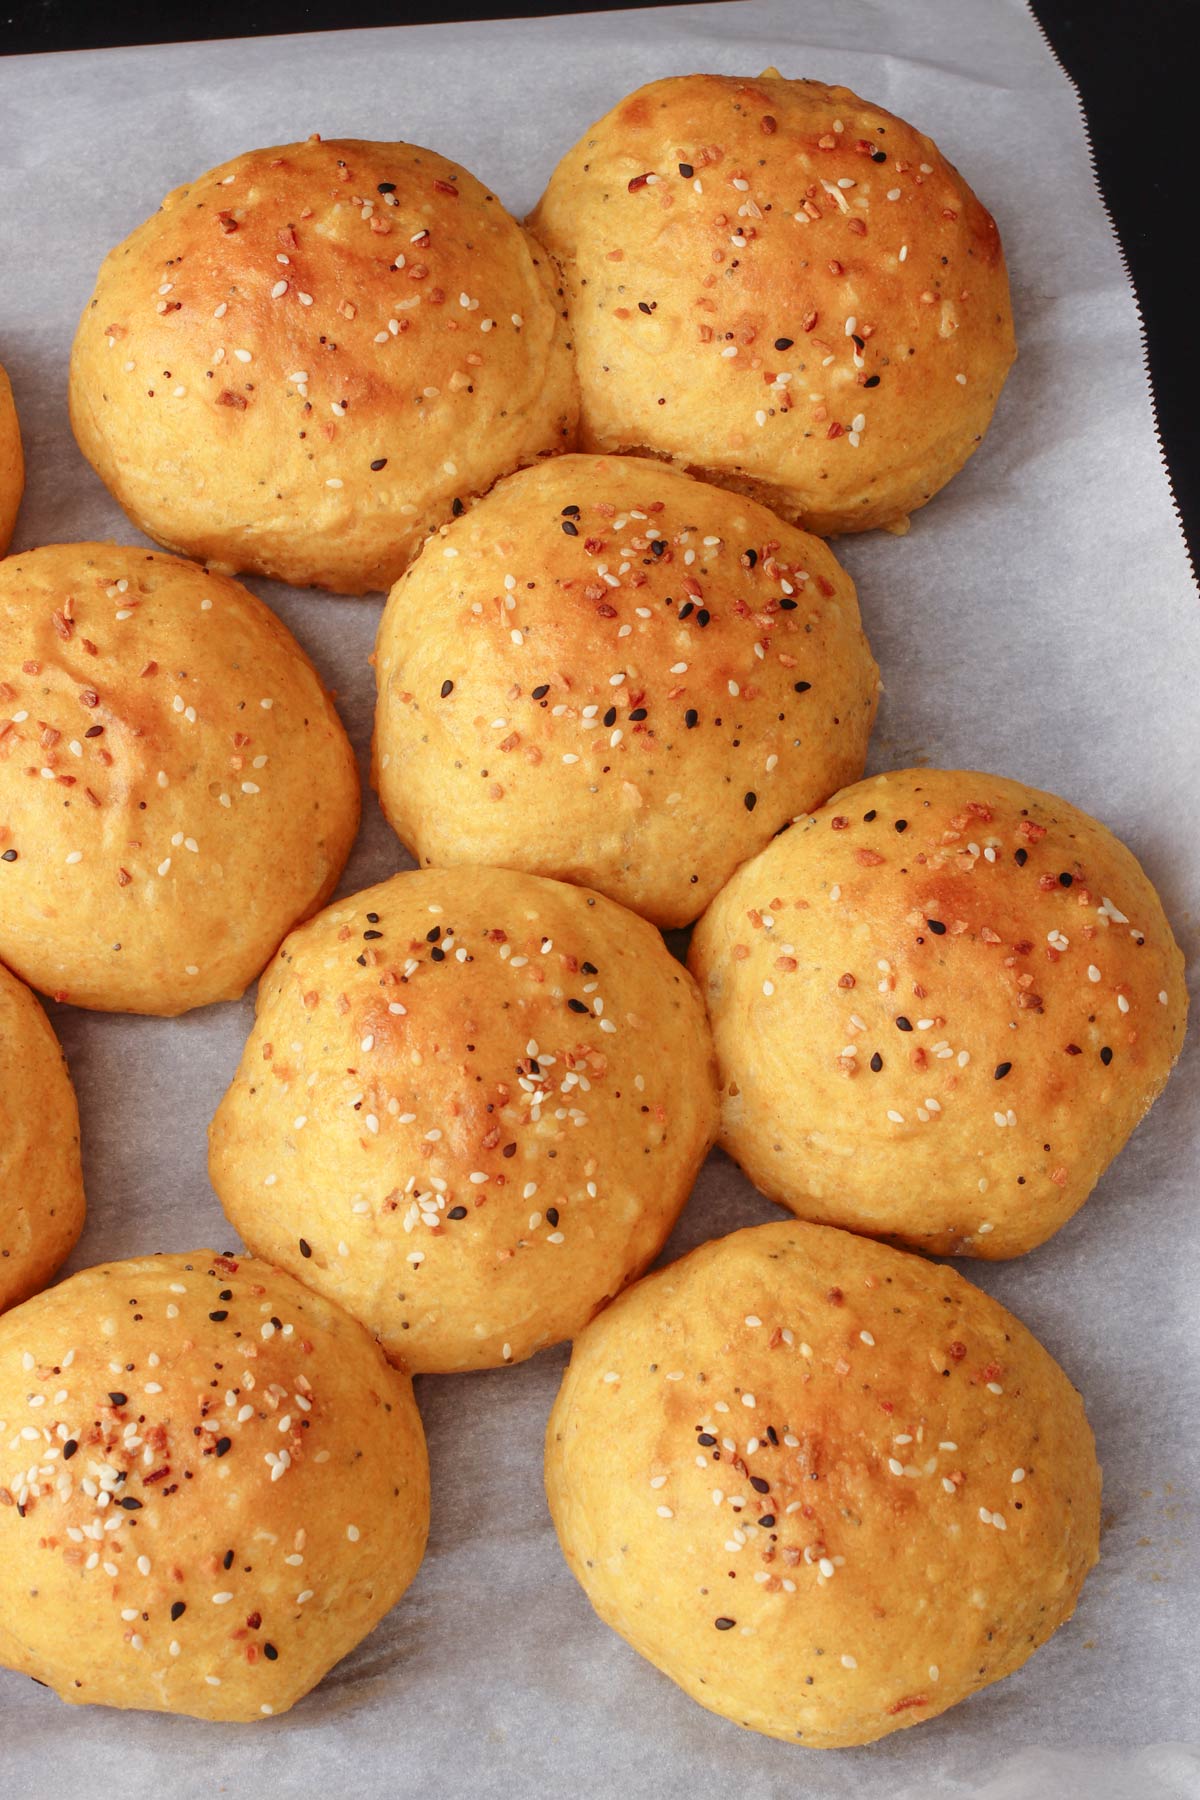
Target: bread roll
[[41, 1181], [176, 789], [189, 1544], [612, 674], [12, 462], [828, 1488], [470, 1111], [307, 356], [784, 289], [941, 1004]]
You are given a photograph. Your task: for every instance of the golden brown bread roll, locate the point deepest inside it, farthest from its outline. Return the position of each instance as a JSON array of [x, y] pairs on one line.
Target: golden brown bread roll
[[185, 1544], [783, 288], [12, 462], [471, 1109], [41, 1181], [941, 1004], [828, 1488], [176, 789], [612, 674], [307, 355]]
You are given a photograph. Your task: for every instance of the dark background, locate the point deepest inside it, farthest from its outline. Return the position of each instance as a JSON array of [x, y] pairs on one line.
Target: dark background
[[1130, 60]]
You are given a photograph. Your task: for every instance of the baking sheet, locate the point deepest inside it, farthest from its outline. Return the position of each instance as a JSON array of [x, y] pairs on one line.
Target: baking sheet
[[1040, 620]]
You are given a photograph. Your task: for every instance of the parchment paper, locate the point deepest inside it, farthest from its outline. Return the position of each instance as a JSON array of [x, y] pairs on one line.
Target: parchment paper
[[1039, 621]]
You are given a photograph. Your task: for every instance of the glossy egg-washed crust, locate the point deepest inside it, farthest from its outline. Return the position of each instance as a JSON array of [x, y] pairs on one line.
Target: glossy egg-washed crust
[[12, 462], [471, 1109], [941, 1004], [828, 1488], [783, 288], [299, 363], [612, 674], [212, 1485], [41, 1181], [176, 788]]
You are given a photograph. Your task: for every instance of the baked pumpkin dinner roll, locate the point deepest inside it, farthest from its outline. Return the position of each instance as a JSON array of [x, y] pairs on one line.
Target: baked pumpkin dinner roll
[[941, 1004], [308, 355], [610, 673], [176, 788], [829, 1488], [783, 288], [41, 1182], [471, 1109], [12, 462], [212, 1486]]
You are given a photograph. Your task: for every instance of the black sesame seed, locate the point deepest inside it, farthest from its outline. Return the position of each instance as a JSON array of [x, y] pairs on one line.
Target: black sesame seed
[[570, 527], [379, 463], [457, 508], [691, 718], [1021, 857], [270, 1652], [509, 1149], [788, 605], [372, 934], [577, 1006], [637, 715], [707, 1439], [130, 1504], [224, 1446], [868, 816], [539, 693], [871, 381], [1065, 880], [759, 1485], [751, 557], [1001, 1070], [589, 968], [438, 954], [227, 1560], [9, 856], [878, 156], [218, 1317], [432, 936], [570, 512], [552, 1214], [659, 546], [936, 926], [876, 1063], [178, 1608], [610, 717], [372, 918], [94, 731], [784, 343], [901, 824], [447, 689], [118, 1399], [768, 1519], [69, 1449], [687, 171], [305, 1248], [750, 801], [724, 1624], [457, 1212], [703, 617], [385, 187], [802, 687], [903, 1024], [1106, 1056], [687, 609], [642, 306]]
